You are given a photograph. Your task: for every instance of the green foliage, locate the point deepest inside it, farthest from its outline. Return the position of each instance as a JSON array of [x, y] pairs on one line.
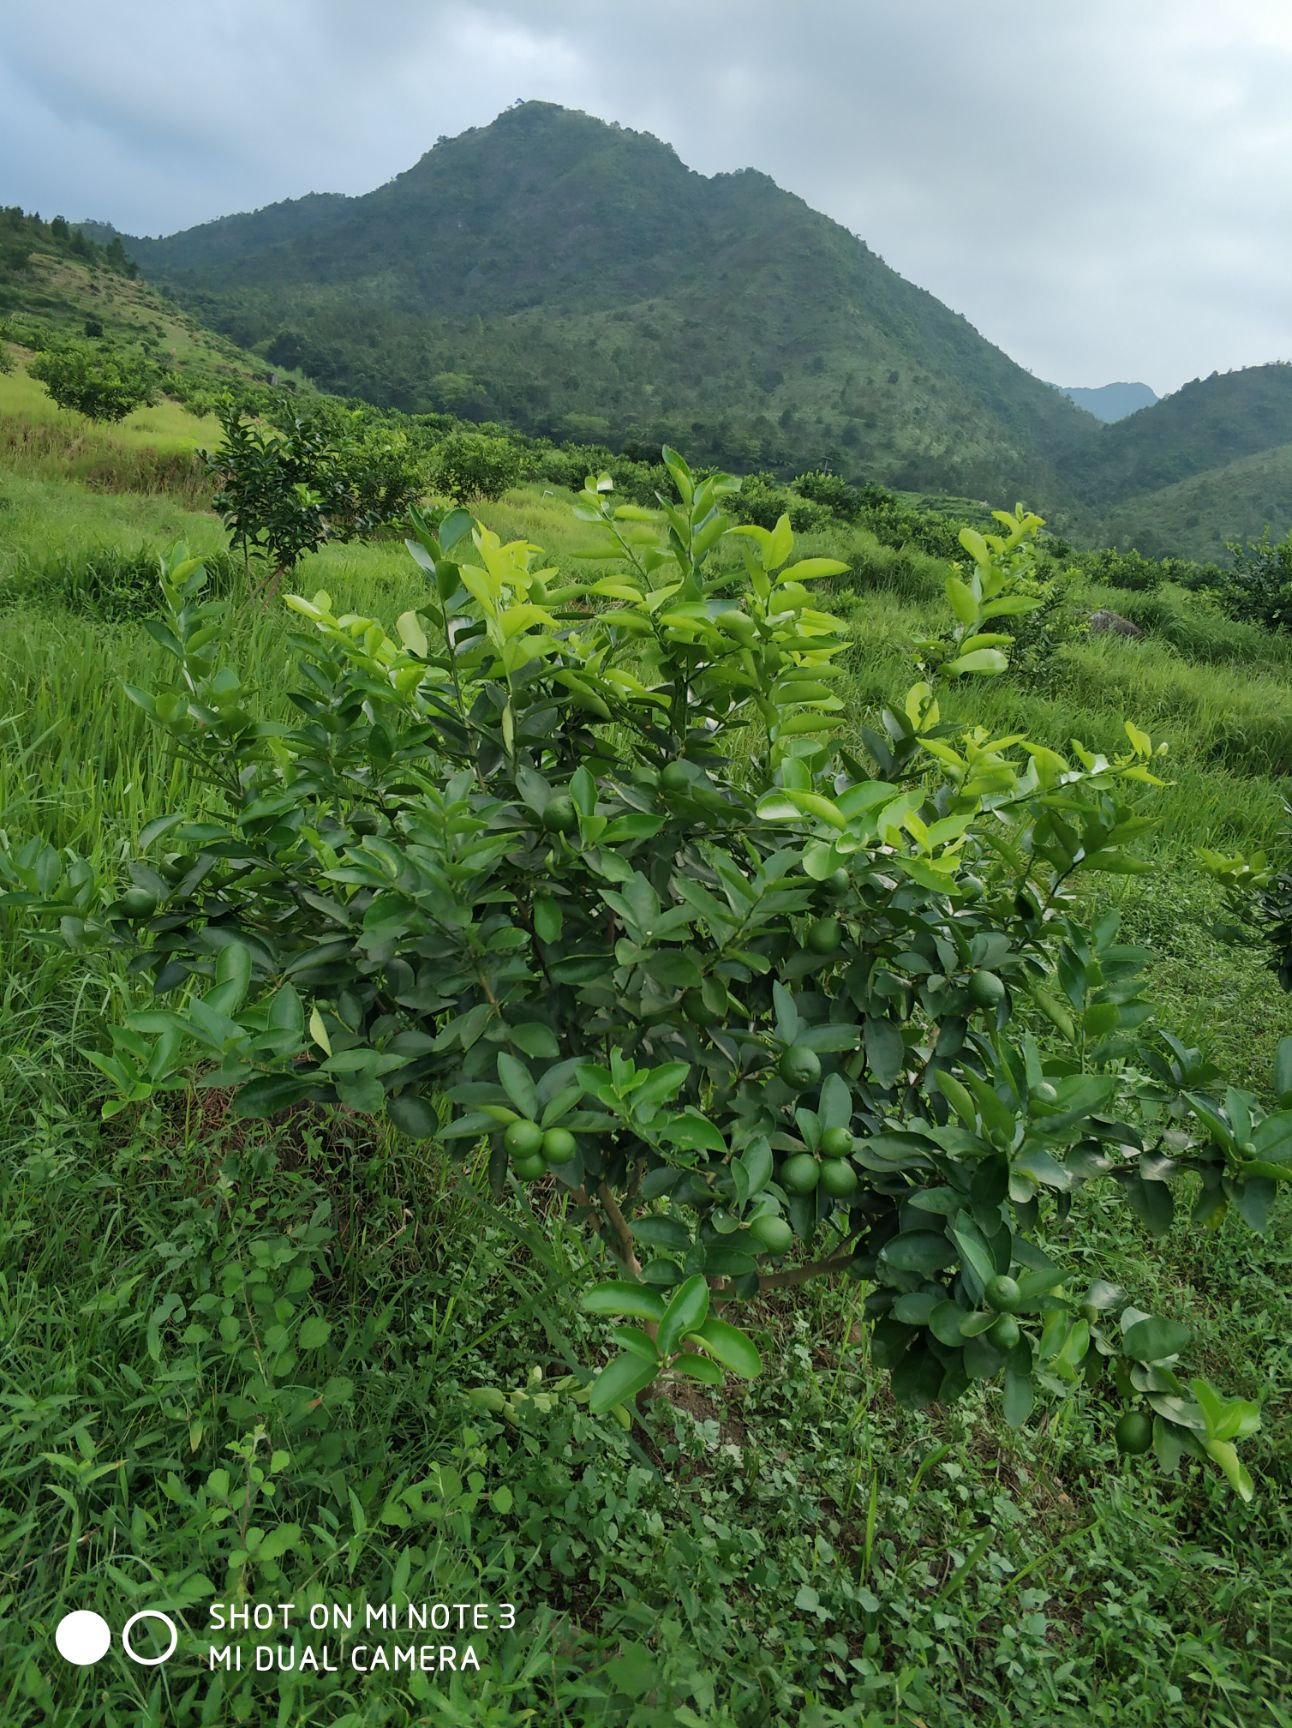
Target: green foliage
[[469, 466], [101, 383], [589, 857], [763, 502], [299, 477], [106, 582]]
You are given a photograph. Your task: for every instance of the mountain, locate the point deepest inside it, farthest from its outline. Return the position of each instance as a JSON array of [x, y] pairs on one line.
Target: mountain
[[1110, 402], [576, 278], [1201, 516]]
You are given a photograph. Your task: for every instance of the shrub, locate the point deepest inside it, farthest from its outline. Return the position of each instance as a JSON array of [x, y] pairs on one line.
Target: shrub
[[290, 482], [1260, 589], [831, 492], [583, 878], [762, 501], [102, 384], [473, 465]]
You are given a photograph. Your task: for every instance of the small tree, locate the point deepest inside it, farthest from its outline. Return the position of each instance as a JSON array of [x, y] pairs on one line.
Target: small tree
[[585, 877], [473, 465], [101, 383], [299, 477]]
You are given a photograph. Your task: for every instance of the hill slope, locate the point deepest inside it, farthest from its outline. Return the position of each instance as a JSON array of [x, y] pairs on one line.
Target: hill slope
[[1207, 424], [1200, 516], [577, 278], [1109, 402]]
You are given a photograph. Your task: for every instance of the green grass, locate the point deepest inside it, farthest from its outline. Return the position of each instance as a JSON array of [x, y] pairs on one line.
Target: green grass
[[206, 1332]]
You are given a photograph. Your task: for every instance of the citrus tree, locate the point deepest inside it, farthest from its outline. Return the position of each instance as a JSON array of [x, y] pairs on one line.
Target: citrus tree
[[102, 384], [602, 877]]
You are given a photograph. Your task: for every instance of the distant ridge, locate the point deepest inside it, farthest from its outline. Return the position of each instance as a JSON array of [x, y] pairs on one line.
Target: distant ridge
[[1108, 402]]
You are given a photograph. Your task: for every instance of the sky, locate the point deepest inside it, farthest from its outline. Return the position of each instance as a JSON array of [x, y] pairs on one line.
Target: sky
[[1103, 189]]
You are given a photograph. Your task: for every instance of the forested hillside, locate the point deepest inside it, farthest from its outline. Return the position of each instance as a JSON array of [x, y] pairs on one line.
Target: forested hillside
[[576, 278]]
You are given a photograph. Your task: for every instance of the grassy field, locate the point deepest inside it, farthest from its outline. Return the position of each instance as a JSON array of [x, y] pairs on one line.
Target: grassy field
[[240, 1364]]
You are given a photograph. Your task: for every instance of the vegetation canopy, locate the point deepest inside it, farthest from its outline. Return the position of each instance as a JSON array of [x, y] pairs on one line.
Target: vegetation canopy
[[579, 871]]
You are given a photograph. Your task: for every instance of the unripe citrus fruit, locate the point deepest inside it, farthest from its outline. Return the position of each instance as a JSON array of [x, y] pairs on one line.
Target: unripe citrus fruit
[[824, 936], [986, 989], [523, 1139], [1134, 1433], [800, 1067], [1005, 1333], [138, 903], [836, 1142], [560, 817], [836, 883], [772, 1232], [530, 1169], [800, 1173], [1003, 1293], [674, 777], [559, 1146], [839, 1178]]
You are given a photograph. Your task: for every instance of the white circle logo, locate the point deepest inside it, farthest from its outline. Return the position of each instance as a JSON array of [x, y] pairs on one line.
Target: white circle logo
[[82, 1637], [149, 1614]]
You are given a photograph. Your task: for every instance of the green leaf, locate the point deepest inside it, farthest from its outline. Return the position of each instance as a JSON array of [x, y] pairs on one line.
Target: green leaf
[[1019, 1397], [1153, 1340], [985, 660], [412, 1115], [698, 1368], [314, 1333], [1283, 1071], [885, 1050], [619, 1296], [517, 1084], [622, 1378], [918, 1251], [687, 1310], [730, 1346]]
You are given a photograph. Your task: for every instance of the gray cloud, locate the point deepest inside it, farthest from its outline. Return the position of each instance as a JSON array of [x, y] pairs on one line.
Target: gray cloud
[[1103, 190]]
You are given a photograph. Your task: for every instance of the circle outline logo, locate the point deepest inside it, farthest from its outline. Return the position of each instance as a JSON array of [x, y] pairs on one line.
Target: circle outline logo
[[150, 1614]]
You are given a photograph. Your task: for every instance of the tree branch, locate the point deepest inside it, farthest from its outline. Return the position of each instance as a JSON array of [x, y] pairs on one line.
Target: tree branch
[[802, 1274]]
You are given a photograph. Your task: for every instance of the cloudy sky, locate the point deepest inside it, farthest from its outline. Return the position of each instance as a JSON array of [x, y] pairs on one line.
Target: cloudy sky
[[1104, 189]]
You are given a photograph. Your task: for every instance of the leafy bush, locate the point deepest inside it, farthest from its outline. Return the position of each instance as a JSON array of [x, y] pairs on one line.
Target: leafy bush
[[101, 383], [762, 501], [581, 875], [471, 465], [830, 491], [1260, 589], [299, 477]]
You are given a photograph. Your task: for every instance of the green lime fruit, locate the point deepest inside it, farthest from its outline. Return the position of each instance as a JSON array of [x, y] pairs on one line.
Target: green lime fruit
[[836, 883], [1134, 1432], [839, 1179], [824, 936], [1044, 1093], [837, 1142], [523, 1139], [972, 887], [698, 1011], [138, 903], [560, 817], [772, 1232], [559, 1146], [673, 777], [530, 1169], [800, 1067], [800, 1173], [986, 989], [1003, 1293], [1005, 1333]]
